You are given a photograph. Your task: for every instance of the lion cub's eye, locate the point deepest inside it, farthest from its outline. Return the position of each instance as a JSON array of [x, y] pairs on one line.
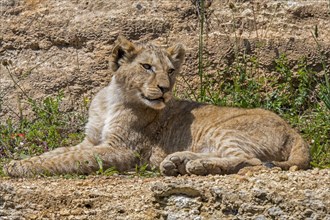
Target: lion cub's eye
[[146, 66], [170, 71]]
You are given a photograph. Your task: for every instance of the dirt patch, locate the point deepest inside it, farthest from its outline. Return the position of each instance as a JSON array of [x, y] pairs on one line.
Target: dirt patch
[[259, 195]]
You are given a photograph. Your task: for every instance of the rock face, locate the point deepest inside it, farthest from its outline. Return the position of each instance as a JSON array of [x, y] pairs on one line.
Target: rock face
[[48, 45], [270, 194]]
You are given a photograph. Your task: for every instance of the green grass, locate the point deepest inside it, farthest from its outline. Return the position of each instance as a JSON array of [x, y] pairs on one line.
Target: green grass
[[108, 172], [47, 129]]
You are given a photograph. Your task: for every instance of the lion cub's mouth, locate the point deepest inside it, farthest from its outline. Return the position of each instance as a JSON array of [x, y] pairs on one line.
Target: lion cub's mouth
[[160, 99], [155, 103]]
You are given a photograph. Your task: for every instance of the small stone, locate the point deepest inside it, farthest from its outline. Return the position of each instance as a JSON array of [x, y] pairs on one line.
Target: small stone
[[276, 169], [315, 171], [260, 217], [217, 192], [64, 212], [275, 211], [139, 6], [260, 194], [32, 216], [294, 168], [308, 213], [284, 177], [247, 12], [77, 211], [317, 205]]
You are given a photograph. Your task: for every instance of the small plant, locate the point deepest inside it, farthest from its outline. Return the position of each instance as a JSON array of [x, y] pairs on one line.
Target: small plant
[[325, 86], [111, 171], [73, 176], [325, 92], [99, 163], [47, 129], [200, 10], [108, 172], [143, 169]]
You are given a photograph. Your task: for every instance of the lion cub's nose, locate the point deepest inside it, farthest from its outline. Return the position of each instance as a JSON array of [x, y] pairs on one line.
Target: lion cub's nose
[[164, 89]]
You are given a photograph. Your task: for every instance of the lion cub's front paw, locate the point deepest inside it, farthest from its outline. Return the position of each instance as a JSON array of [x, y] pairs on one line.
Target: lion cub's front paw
[[175, 164]]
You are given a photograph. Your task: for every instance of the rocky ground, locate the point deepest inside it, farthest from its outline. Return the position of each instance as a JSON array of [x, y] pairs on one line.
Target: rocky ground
[[49, 45], [265, 194]]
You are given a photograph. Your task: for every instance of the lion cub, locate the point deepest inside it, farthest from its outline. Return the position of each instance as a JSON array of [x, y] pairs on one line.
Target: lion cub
[[136, 114]]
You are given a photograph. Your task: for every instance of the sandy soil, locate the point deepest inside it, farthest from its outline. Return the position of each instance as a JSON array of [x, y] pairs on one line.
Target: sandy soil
[[265, 194]]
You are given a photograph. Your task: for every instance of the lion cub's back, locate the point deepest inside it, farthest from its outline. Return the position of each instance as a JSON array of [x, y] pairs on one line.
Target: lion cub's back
[[236, 118], [260, 126]]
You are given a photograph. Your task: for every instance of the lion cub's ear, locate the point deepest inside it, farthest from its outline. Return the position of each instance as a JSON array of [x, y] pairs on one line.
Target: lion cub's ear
[[177, 53], [124, 51]]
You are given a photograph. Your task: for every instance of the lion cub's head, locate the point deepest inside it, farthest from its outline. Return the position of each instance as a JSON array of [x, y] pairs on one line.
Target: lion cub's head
[[146, 72]]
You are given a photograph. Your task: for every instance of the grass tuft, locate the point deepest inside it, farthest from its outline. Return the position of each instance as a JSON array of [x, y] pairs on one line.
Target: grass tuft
[[46, 130]]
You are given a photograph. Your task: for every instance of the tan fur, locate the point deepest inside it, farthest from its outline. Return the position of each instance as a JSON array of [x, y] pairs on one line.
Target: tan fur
[[136, 114]]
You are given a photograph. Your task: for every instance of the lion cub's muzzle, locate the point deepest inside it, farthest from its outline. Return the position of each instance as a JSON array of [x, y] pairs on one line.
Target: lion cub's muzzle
[[156, 98]]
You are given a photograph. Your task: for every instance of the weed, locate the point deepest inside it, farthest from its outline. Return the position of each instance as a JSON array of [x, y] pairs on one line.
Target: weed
[[47, 129], [325, 86], [200, 9], [99, 163], [108, 172], [111, 171], [73, 176], [143, 169]]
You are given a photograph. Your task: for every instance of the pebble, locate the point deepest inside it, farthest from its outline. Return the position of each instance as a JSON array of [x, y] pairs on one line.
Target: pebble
[[275, 211], [315, 171]]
